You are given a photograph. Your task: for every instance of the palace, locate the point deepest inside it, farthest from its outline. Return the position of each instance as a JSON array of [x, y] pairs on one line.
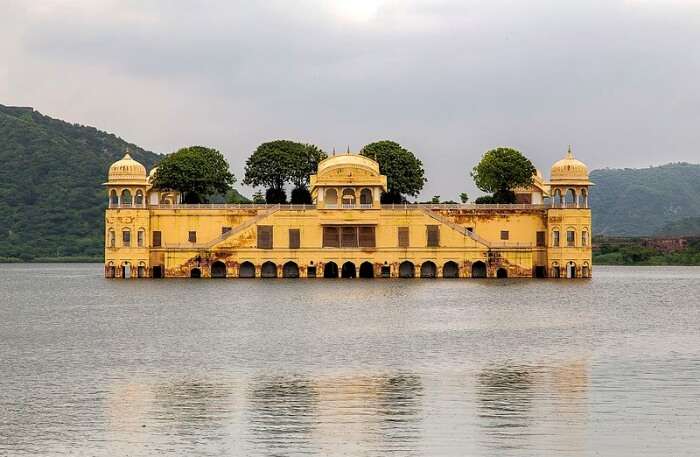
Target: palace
[[347, 232]]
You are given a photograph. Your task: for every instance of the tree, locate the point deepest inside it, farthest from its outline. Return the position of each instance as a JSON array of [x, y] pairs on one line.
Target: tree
[[197, 172], [404, 172], [274, 196], [435, 199], [258, 197], [500, 171], [464, 197], [275, 163]]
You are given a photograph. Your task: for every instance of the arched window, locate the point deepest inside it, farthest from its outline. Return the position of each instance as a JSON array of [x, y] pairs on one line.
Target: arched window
[[365, 197], [349, 197], [126, 237], [555, 270], [138, 200], [557, 197], [126, 197], [555, 238], [570, 198], [113, 198], [585, 270], [112, 238], [140, 238], [331, 197], [583, 199], [584, 238], [570, 237]]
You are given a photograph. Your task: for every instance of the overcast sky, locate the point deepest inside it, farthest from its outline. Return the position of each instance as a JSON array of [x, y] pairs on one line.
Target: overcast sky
[[448, 79]]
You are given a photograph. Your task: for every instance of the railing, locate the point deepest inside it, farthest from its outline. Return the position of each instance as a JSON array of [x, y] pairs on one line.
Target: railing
[[472, 206], [395, 206]]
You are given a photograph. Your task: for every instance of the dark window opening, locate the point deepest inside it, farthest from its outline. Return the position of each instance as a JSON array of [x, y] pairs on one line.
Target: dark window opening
[[225, 230], [505, 234], [386, 271], [403, 237], [294, 239], [311, 272], [433, 232], [192, 236], [264, 237], [540, 239], [156, 239]]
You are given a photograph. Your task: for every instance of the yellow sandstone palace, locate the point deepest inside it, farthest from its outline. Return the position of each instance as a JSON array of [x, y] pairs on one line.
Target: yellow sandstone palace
[[347, 232]]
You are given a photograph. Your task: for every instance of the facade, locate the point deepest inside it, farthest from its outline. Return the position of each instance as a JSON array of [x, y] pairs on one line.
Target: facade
[[347, 232]]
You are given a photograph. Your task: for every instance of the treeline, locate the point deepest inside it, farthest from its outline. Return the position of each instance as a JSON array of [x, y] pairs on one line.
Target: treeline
[[633, 251]]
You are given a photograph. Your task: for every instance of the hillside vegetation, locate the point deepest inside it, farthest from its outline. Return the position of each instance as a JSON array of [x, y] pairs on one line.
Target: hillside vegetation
[[637, 202], [51, 199]]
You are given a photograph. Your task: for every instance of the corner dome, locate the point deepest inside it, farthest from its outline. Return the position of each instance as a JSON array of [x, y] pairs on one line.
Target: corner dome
[[127, 171], [569, 170]]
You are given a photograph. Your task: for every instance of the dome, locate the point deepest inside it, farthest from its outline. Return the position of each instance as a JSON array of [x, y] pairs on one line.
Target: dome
[[350, 161], [569, 170], [127, 171]]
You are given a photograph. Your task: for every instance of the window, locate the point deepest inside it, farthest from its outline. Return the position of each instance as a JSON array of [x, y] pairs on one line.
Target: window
[[192, 236], [403, 237], [555, 238], [470, 229], [225, 230], [294, 239], [264, 237], [505, 234], [112, 239], [433, 232], [540, 239], [584, 238], [331, 197], [348, 237], [331, 237], [126, 197], [570, 238], [365, 197], [113, 198], [156, 238], [138, 200], [139, 238], [366, 237], [126, 238]]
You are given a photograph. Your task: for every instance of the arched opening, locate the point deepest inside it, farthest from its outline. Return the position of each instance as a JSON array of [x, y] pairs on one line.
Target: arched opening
[[331, 197], [407, 270], [584, 238], [290, 270], [366, 270], [366, 197], [140, 238], [246, 270], [348, 270], [138, 200], [330, 270], [540, 271], [428, 270], [195, 273], [570, 198], [557, 197], [141, 270], [450, 270], [583, 199], [478, 269], [157, 272], [218, 269], [585, 270], [556, 273], [113, 198], [112, 238], [126, 237], [268, 270], [501, 273], [126, 270], [126, 197], [571, 270], [110, 270], [349, 197]]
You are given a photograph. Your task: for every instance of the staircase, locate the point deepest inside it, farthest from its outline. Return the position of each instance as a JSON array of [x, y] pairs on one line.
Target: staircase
[[454, 226], [239, 228]]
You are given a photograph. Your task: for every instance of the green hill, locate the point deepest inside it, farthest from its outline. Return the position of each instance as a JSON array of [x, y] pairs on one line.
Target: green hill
[[637, 202], [689, 226], [51, 198]]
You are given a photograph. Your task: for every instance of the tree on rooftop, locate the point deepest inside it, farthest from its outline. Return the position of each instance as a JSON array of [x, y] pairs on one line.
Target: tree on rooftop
[[500, 171], [404, 172], [197, 172]]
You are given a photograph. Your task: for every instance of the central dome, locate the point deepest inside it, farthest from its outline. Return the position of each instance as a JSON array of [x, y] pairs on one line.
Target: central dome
[[569, 170], [127, 171]]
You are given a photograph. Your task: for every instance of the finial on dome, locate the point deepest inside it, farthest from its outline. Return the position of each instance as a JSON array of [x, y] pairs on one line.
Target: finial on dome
[[126, 153], [334, 151], [348, 151], [569, 154]]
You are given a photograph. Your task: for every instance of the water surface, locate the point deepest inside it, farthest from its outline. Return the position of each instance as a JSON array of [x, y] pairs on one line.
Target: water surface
[[98, 367]]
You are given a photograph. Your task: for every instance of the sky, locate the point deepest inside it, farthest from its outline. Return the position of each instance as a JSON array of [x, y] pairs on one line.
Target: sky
[[447, 79]]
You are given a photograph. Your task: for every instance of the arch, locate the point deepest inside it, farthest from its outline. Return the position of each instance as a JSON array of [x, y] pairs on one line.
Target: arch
[[557, 197], [141, 270], [428, 270], [126, 270], [290, 270], [407, 269], [126, 237], [268, 270], [218, 269], [570, 197], [366, 196], [556, 237], [501, 273], [348, 196], [112, 238], [126, 197], [157, 272], [138, 199], [366, 270], [330, 197], [330, 270], [113, 198], [556, 272], [571, 270], [585, 270], [584, 237], [246, 270], [140, 237], [450, 270], [348, 270], [195, 273], [583, 198], [478, 269], [110, 270]]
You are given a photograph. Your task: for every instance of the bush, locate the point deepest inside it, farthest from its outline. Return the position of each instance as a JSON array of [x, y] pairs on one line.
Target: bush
[[274, 196], [301, 196]]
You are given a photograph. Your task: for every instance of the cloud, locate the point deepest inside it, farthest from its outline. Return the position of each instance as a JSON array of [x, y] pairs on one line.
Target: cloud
[[448, 79]]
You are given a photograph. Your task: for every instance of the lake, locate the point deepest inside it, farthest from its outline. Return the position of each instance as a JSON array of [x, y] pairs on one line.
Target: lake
[[95, 367]]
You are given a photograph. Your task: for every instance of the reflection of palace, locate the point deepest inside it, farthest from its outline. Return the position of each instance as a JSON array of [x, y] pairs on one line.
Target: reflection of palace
[[347, 232]]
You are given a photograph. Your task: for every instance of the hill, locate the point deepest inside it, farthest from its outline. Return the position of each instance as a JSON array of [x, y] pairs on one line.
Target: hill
[[51, 197], [638, 202], [686, 227]]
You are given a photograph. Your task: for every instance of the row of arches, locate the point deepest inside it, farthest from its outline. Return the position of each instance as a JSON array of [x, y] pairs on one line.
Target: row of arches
[[570, 198], [406, 269], [125, 198], [347, 196]]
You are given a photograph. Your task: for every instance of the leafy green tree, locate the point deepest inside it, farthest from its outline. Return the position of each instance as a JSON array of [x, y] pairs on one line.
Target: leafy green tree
[[301, 195], [500, 171], [464, 197], [404, 171], [275, 163], [196, 171], [274, 196], [259, 197], [435, 199]]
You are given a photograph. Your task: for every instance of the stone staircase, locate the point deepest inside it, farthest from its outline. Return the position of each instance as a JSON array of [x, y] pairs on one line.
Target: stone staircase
[[239, 228], [454, 226]]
